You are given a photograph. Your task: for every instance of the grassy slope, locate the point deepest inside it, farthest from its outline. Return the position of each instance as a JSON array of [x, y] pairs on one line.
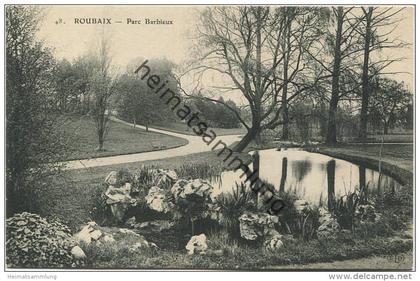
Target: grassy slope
[[121, 139], [397, 158]]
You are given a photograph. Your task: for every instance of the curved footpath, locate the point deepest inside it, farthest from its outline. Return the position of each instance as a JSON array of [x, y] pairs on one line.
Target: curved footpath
[[195, 145]]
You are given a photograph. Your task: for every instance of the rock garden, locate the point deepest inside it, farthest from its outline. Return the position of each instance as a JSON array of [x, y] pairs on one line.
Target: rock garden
[[154, 214]]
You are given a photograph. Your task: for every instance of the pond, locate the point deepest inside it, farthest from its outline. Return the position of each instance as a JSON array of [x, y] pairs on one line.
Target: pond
[[312, 176]]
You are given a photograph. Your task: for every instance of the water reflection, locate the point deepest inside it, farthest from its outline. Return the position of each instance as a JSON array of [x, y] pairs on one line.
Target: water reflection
[[314, 177], [301, 168]]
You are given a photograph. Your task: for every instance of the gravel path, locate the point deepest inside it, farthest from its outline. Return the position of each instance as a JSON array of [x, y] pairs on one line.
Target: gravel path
[[195, 145]]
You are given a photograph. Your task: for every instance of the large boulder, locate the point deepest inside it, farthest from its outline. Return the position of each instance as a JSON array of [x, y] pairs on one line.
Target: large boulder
[[193, 198], [164, 178], [90, 232], [77, 253], [257, 225], [119, 199], [158, 199], [97, 236], [185, 189], [197, 244]]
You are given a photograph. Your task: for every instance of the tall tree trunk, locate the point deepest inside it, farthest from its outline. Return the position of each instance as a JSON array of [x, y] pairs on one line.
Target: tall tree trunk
[[249, 136], [386, 127], [255, 130], [285, 107], [335, 87], [365, 77], [100, 142]]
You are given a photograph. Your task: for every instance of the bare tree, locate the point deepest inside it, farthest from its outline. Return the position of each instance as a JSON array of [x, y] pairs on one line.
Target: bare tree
[[253, 46], [102, 87], [335, 56], [377, 26]]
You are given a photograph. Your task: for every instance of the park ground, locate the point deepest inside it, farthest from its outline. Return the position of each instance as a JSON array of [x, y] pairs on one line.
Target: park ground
[[74, 192], [121, 139]]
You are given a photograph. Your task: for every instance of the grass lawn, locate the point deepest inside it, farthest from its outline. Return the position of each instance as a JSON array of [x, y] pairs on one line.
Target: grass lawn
[[393, 138], [121, 139], [184, 129], [397, 158]]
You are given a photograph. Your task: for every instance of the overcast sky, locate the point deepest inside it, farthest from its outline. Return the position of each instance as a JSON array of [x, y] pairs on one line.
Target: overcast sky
[[130, 41]]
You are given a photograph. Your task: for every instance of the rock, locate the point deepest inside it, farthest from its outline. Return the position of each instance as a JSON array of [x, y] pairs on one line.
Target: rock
[[88, 233], [119, 200], [96, 234], [142, 245], [197, 244], [273, 243], [119, 194], [84, 235], [111, 178], [164, 178], [118, 178], [191, 189], [329, 228], [78, 253], [257, 225], [157, 199]]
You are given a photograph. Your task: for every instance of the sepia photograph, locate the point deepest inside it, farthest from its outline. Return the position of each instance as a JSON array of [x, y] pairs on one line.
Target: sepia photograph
[[230, 137]]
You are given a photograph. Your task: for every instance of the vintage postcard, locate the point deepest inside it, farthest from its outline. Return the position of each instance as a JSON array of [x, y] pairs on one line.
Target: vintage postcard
[[210, 137]]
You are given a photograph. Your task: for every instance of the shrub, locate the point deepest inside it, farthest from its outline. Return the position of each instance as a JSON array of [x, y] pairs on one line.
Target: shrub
[[233, 205], [302, 224], [344, 209], [32, 241], [100, 212]]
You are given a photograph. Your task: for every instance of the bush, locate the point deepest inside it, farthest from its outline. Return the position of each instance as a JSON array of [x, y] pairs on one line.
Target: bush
[[32, 241], [233, 205], [344, 208]]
